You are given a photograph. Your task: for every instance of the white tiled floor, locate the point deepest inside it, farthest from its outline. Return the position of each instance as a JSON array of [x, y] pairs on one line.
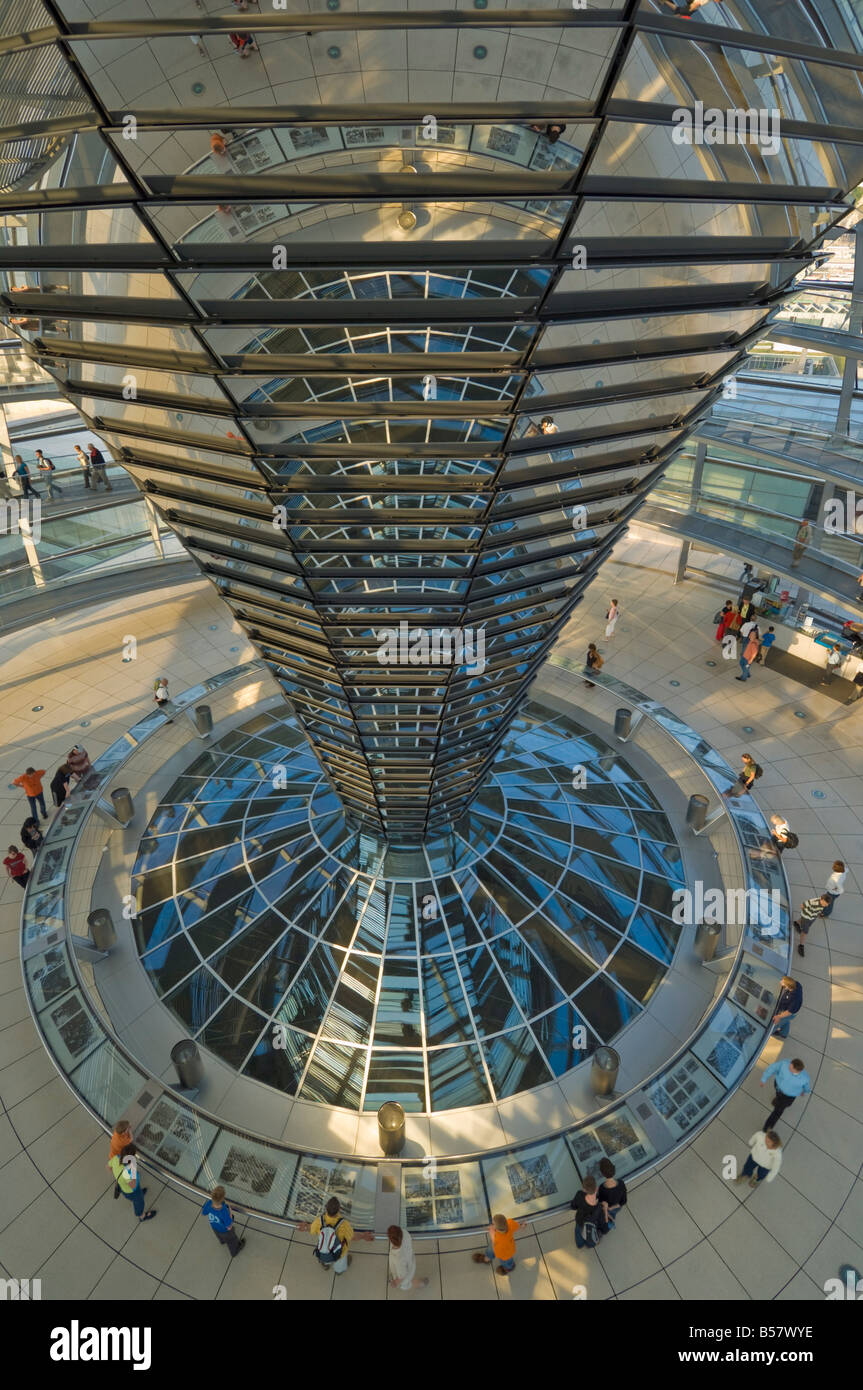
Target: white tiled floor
[[684, 1235]]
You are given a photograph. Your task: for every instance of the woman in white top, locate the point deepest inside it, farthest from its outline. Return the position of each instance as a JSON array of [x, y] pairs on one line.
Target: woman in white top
[[403, 1264], [764, 1158], [835, 885], [611, 616]]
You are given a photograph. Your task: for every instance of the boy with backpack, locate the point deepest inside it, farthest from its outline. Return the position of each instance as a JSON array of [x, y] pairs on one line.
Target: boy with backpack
[[46, 466], [591, 1215], [749, 774], [334, 1234], [221, 1220]]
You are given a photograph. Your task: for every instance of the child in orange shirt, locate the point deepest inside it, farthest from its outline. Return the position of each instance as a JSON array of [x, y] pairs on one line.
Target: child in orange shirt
[[501, 1244]]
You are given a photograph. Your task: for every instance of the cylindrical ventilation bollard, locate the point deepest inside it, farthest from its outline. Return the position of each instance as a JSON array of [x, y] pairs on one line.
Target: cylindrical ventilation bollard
[[101, 927], [706, 940], [124, 807], [187, 1060], [623, 723], [603, 1073], [391, 1128], [696, 811], [203, 719]]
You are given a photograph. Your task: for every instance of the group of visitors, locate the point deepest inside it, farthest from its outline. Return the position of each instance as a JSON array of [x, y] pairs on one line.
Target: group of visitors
[[77, 765], [735, 620], [594, 661], [92, 464]]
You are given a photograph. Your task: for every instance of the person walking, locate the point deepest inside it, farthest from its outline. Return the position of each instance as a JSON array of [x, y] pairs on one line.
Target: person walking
[[766, 643], [749, 773], [501, 1244], [334, 1235], [124, 1166], [811, 909], [801, 540], [97, 468], [162, 696], [750, 651], [31, 782], [764, 1158], [834, 661], [592, 662], [591, 1215], [788, 1004], [22, 473], [221, 1220], [723, 618], [612, 1190], [84, 462], [402, 1261], [611, 618], [46, 466], [78, 762], [790, 1080], [60, 784], [835, 885], [31, 836], [16, 866]]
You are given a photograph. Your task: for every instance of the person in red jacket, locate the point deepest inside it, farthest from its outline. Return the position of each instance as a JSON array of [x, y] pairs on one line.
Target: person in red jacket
[[16, 866], [31, 783]]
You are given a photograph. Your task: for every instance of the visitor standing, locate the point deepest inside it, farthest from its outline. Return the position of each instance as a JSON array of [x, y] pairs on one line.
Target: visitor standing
[[97, 468], [78, 761], [84, 462], [244, 44], [47, 467], [591, 1215], [60, 784], [723, 618], [790, 1080], [766, 643], [124, 1166], [221, 1220], [592, 662], [834, 661], [750, 651], [811, 910], [334, 1235], [402, 1261], [801, 540], [835, 885], [16, 866], [611, 618], [501, 1244], [31, 783], [764, 1158], [788, 1004], [782, 835], [612, 1190], [31, 836]]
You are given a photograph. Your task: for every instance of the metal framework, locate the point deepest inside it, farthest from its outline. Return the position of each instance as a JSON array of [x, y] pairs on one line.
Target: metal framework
[[324, 346]]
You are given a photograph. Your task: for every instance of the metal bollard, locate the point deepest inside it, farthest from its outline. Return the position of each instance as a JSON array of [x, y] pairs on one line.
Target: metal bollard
[[124, 807], [203, 719], [187, 1060], [623, 723], [603, 1072], [391, 1128], [696, 811], [101, 927], [707, 936]]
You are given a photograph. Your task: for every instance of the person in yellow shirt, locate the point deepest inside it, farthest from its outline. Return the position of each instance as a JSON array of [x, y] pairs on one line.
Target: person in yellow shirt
[[334, 1233], [501, 1245], [124, 1166]]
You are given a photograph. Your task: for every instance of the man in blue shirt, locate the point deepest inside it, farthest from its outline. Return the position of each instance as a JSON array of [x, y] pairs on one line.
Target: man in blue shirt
[[787, 1005], [791, 1080], [766, 643], [221, 1220]]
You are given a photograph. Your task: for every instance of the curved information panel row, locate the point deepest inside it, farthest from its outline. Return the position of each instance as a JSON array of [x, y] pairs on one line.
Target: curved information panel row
[[196, 1149]]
